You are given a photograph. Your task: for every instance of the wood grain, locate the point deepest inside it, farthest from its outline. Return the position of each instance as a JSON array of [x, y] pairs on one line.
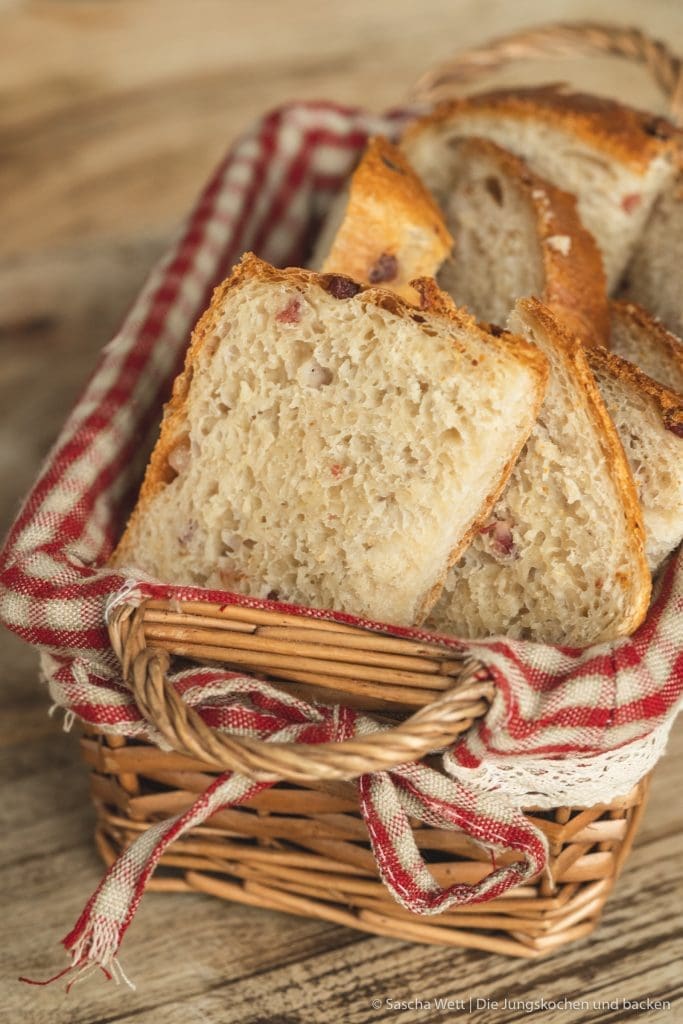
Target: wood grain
[[112, 114]]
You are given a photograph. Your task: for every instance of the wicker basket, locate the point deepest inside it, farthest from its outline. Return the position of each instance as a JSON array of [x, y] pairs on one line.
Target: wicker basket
[[302, 846]]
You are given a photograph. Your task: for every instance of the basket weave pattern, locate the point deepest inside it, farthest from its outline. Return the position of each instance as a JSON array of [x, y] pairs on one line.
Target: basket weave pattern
[[303, 847]]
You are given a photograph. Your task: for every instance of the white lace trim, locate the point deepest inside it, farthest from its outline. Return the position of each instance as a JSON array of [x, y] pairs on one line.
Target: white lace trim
[[569, 781]]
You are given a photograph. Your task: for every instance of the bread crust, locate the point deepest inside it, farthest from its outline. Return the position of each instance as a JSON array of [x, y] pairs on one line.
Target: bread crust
[[632, 137], [639, 583], [575, 284], [657, 334], [669, 404], [250, 268], [386, 203]]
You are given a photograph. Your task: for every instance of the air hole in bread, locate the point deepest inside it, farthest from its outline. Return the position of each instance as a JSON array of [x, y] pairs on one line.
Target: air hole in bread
[[452, 434], [494, 189], [210, 345], [657, 129], [179, 457], [391, 165]]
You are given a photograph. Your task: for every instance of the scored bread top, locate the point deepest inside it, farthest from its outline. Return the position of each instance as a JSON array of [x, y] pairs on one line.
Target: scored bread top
[[642, 339], [561, 560], [561, 263], [386, 228], [649, 420], [633, 137], [330, 444]]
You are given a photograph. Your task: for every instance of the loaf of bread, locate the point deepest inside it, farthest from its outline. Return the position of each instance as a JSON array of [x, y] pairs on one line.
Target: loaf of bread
[[516, 235], [653, 276], [561, 559], [639, 337], [331, 445], [649, 421], [385, 228], [614, 159]]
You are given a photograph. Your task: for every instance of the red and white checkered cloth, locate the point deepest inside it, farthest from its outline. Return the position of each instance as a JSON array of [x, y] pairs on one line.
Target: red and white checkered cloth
[[566, 726]]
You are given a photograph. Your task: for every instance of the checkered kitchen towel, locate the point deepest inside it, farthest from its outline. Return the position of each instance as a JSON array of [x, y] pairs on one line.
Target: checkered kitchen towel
[[566, 726]]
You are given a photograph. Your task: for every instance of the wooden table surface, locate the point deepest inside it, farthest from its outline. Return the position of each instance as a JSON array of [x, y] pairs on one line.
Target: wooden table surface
[[112, 113]]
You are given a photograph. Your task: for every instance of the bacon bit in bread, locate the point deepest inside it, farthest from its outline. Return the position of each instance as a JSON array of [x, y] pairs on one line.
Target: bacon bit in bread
[[631, 202], [336, 469], [272, 595], [675, 428], [291, 314], [385, 269], [503, 546], [230, 577], [341, 287], [188, 533]]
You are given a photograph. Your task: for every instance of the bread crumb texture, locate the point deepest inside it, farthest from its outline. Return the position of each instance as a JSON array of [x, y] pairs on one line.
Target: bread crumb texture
[[329, 445], [561, 559]]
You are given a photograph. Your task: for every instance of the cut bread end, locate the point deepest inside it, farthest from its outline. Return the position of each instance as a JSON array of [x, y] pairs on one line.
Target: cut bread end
[[561, 559], [649, 420], [385, 228]]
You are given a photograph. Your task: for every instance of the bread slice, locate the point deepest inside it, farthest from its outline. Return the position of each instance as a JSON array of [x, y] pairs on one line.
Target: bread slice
[[331, 445], [561, 559], [385, 228], [614, 159], [653, 276], [639, 337], [516, 235], [649, 421]]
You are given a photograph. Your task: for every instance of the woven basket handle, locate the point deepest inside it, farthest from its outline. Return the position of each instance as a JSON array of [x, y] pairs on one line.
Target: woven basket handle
[[434, 726], [573, 39]]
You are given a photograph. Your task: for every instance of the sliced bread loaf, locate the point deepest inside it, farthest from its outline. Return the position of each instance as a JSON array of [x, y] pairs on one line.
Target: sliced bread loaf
[[385, 228], [516, 235], [639, 337], [331, 445], [649, 421], [653, 276], [561, 559], [614, 159]]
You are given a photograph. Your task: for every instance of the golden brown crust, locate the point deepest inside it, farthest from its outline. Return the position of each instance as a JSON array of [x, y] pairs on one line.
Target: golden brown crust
[[639, 585], [575, 287], [250, 268], [631, 136], [392, 230], [658, 337], [669, 404]]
